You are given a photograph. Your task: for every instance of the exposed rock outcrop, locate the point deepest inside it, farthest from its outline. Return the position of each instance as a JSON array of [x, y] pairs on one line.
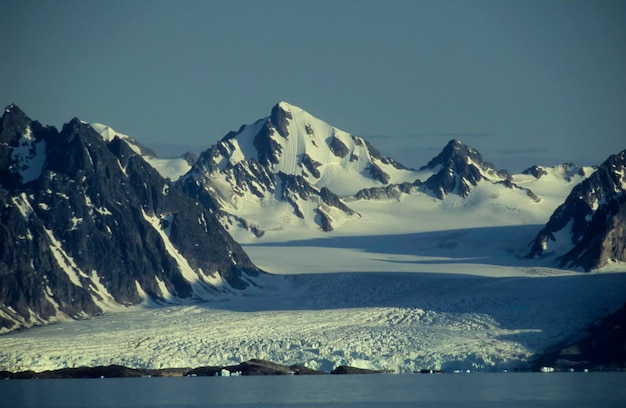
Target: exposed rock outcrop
[[589, 229]]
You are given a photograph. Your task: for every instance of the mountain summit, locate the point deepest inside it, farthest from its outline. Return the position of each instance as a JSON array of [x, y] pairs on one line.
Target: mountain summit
[[291, 168], [458, 168], [293, 161]]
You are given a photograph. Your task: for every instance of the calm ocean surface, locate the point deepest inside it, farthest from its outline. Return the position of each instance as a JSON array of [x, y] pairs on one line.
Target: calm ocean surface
[[417, 390]]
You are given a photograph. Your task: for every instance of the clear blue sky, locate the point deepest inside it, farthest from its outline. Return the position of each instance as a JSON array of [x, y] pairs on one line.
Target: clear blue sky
[[525, 82]]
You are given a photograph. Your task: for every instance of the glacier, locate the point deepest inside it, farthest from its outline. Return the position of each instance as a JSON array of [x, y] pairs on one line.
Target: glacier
[[433, 295]]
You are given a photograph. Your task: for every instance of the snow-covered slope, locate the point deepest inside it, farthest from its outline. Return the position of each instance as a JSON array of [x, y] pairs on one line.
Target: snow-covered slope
[[171, 168], [589, 229], [292, 170], [292, 165], [294, 142]]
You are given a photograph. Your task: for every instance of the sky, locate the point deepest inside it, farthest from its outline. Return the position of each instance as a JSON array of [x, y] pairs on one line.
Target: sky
[[524, 82]]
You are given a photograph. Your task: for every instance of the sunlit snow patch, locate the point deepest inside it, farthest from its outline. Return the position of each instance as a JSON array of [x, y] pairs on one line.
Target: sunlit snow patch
[[171, 168]]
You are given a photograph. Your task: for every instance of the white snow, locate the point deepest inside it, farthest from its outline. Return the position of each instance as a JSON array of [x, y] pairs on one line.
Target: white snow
[[75, 222], [417, 286], [109, 134], [403, 322], [65, 262], [347, 175], [23, 205], [412, 283], [172, 168], [312, 136], [199, 287], [101, 296]]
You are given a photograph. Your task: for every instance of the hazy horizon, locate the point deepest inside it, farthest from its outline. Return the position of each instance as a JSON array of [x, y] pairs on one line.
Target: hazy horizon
[[524, 82]]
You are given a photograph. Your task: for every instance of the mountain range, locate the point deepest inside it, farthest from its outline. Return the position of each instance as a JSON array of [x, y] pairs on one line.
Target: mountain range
[[87, 225], [92, 221]]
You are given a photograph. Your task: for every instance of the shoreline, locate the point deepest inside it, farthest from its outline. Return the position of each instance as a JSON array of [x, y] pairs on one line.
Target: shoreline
[[252, 367]]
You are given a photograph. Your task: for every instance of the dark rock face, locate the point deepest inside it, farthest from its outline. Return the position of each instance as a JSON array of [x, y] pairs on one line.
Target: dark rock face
[[260, 367], [85, 223], [378, 174], [255, 367], [354, 370], [592, 219], [190, 158], [460, 168], [377, 156], [535, 171], [268, 149], [569, 169], [311, 165], [338, 148], [280, 119], [390, 191], [252, 367]]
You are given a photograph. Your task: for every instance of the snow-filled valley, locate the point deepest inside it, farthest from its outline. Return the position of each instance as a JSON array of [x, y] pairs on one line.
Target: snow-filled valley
[[443, 290], [385, 320]]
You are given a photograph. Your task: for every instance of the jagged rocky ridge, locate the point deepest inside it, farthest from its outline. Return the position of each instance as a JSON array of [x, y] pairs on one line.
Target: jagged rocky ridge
[[589, 229], [292, 158], [459, 168], [87, 225]]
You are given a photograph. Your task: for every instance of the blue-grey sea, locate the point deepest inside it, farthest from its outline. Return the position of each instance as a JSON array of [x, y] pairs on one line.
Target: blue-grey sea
[[387, 390]]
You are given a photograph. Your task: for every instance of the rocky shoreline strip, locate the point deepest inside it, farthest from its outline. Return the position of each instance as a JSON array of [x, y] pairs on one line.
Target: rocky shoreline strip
[[247, 368]]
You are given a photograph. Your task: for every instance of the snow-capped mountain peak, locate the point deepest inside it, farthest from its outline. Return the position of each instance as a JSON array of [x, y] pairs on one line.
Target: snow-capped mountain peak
[[458, 168], [171, 168], [294, 142], [587, 230], [290, 157], [292, 168]]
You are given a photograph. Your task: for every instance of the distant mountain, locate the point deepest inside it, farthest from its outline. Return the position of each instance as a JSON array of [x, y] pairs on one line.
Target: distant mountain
[[86, 225], [567, 171], [459, 168], [292, 162], [589, 229], [296, 168]]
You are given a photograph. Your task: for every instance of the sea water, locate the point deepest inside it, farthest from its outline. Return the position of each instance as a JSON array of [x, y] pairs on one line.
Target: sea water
[[385, 390]]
